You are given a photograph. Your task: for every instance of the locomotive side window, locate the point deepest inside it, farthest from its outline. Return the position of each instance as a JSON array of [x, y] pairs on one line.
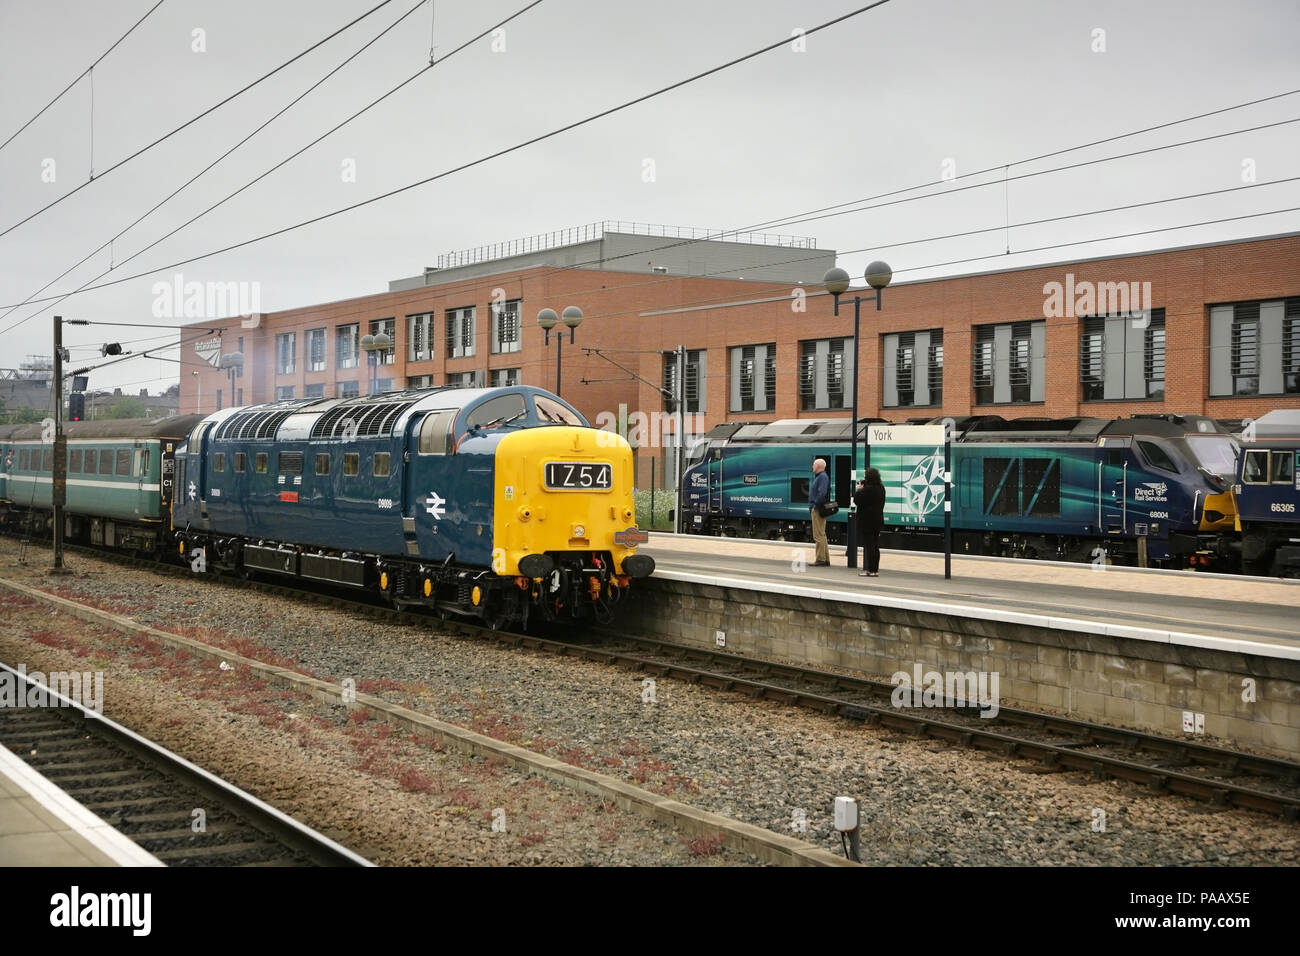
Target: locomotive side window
[[105, 461], [381, 464], [241, 462], [1254, 470], [219, 461], [322, 464], [1156, 456], [74, 461], [351, 464], [259, 463], [435, 432], [1282, 469]]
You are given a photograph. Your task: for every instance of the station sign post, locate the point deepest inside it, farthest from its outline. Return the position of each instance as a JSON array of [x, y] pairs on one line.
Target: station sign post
[[924, 436]]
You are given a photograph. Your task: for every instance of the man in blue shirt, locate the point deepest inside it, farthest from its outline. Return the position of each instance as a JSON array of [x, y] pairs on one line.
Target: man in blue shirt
[[818, 494]]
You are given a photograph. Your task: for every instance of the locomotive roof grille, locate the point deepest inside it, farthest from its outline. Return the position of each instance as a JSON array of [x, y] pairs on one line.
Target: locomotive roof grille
[[370, 420]]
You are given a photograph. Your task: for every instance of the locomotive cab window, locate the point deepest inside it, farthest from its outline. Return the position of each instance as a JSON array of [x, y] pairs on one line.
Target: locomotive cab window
[[322, 464], [501, 410], [241, 462], [351, 464], [381, 464], [435, 432], [219, 461], [1254, 469], [259, 463], [549, 410], [1156, 456], [1282, 467]]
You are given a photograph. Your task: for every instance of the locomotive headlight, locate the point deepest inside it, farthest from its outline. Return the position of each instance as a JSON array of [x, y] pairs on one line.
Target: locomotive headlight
[[579, 531]]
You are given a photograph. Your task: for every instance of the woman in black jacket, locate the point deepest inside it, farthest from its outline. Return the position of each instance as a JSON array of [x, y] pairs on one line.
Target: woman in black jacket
[[869, 500]]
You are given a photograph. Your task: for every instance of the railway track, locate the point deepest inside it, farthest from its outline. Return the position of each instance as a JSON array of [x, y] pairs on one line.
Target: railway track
[[175, 810], [1162, 764]]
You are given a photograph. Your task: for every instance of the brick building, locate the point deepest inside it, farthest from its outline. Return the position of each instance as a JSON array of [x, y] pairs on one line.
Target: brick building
[[1209, 329]]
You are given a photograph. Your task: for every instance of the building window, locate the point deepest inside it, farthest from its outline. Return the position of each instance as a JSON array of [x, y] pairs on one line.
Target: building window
[[387, 327], [1122, 356], [382, 385], [419, 381], [219, 405], [285, 343], [348, 389], [982, 365], [1092, 369], [753, 378], [823, 372], [1255, 348], [460, 332], [1008, 364], [420, 335], [466, 379], [1153, 356], [934, 376], [316, 350], [283, 393], [314, 391], [505, 326], [502, 377], [695, 379], [1291, 348], [346, 345]]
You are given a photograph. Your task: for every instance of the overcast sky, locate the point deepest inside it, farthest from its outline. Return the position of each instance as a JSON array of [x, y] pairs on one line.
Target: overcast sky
[[895, 97]]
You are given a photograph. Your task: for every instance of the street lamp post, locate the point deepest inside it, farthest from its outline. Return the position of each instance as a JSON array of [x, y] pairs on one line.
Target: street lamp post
[[836, 280], [232, 362], [547, 319], [373, 346]]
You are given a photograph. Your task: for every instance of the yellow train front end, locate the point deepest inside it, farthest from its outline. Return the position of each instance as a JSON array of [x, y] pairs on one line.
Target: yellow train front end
[[564, 521]]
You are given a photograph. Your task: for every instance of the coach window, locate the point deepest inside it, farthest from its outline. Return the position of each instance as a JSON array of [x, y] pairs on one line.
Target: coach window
[[241, 462], [259, 463], [1254, 470], [47, 460], [322, 464], [22, 460], [435, 432], [1156, 456], [105, 461], [89, 464], [381, 464], [74, 461], [1282, 467], [351, 464], [219, 461]]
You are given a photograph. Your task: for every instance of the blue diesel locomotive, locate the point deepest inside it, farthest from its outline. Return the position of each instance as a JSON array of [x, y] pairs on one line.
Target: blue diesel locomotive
[[500, 503], [1267, 493], [1031, 488]]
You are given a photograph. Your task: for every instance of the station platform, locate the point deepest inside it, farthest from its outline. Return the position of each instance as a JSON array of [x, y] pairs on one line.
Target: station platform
[[41, 825], [1213, 655], [1223, 611]]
